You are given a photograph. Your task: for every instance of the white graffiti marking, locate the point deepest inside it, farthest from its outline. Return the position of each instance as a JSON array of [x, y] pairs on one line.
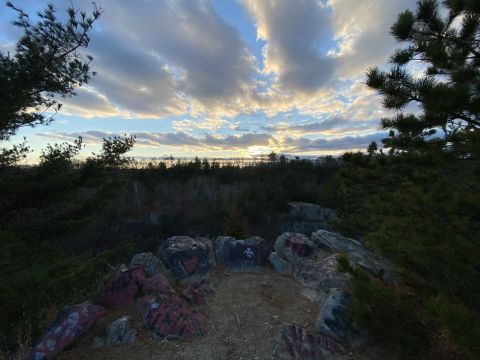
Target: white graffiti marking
[[249, 253]]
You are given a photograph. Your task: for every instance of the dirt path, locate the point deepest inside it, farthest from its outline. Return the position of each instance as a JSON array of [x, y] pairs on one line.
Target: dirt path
[[243, 320]]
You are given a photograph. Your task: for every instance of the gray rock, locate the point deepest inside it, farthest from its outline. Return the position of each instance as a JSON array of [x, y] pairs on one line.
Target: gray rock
[[130, 337], [117, 333], [219, 243], [185, 257], [307, 217], [295, 343], [333, 242], [317, 296], [279, 264], [322, 274], [211, 251], [98, 343], [295, 247], [357, 252], [333, 320], [243, 255], [151, 264]]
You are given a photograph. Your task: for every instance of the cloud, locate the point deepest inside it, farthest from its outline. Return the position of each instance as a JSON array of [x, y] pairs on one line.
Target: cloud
[[89, 103], [362, 32], [293, 31], [206, 56], [331, 126], [243, 142], [300, 145], [208, 123], [133, 79], [176, 139], [161, 58], [181, 58]]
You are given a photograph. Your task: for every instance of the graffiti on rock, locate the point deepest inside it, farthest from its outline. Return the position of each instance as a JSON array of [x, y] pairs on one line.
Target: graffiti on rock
[[171, 319], [239, 256], [122, 288], [70, 323]]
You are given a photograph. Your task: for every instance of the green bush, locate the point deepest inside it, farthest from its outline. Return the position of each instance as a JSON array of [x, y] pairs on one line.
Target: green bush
[[422, 212]]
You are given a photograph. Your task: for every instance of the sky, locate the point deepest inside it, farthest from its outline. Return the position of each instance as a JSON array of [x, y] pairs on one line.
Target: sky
[[225, 78]]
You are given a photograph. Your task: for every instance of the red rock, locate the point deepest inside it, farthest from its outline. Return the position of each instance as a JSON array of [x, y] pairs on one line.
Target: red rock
[[70, 323], [157, 284], [194, 295], [172, 319], [185, 256], [122, 288]]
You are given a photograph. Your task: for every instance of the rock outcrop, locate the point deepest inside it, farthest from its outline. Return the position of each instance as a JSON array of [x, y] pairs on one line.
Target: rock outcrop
[[186, 257], [295, 343], [219, 245], [357, 252], [170, 318], [151, 264], [334, 322], [70, 323], [306, 217], [295, 247], [122, 288], [168, 315], [117, 334], [157, 284], [322, 274], [241, 255], [279, 264]]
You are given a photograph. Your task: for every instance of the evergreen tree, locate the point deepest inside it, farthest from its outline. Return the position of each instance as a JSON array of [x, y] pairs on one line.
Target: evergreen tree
[[448, 92], [235, 223], [372, 148], [46, 64]]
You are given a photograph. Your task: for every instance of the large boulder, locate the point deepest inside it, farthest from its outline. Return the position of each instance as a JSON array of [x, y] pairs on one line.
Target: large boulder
[[295, 343], [219, 244], [195, 295], [211, 251], [333, 320], [70, 323], [150, 263], [117, 334], [357, 252], [157, 285], [306, 217], [333, 242], [322, 274], [185, 256], [171, 318], [295, 247], [207, 284], [282, 266], [122, 288], [243, 255]]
